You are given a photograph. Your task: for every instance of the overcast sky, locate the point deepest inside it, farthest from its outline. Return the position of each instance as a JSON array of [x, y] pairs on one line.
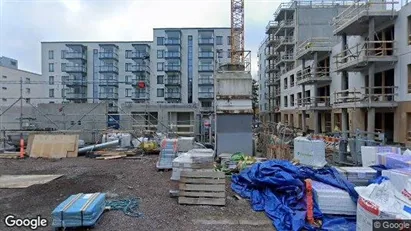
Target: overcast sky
[[25, 23]]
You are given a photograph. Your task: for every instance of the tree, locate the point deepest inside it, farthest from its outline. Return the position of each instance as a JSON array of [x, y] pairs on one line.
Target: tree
[[255, 94]]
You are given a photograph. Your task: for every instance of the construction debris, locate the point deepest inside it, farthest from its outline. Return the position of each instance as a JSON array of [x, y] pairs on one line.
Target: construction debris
[[24, 181]]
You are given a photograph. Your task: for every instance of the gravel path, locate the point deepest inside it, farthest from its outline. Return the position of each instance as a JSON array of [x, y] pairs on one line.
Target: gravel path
[[120, 178]]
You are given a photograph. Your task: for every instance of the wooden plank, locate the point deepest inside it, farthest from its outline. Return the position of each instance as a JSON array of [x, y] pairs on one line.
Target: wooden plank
[[54, 146], [201, 201], [202, 180], [202, 194], [199, 187], [110, 157], [202, 174]]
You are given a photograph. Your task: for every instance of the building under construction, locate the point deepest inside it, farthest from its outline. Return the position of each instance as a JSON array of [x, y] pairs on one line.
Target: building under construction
[[354, 73]]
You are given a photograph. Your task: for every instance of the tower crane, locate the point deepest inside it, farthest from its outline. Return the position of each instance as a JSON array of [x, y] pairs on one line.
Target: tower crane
[[237, 32]]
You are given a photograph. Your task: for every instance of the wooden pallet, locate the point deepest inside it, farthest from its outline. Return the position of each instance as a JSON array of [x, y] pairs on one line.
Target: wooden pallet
[[202, 188]]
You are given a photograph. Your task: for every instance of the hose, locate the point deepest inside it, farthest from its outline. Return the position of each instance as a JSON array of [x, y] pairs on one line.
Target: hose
[[128, 206]]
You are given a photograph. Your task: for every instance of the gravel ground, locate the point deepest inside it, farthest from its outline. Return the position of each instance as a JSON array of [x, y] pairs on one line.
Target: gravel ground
[[120, 178]]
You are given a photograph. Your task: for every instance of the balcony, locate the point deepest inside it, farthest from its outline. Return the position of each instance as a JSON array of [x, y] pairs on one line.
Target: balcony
[[108, 69], [107, 95], [74, 55], [206, 54], [138, 81], [354, 20], [314, 103], [271, 27], [206, 95], [172, 95], [108, 82], [358, 57], [75, 69], [73, 82], [320, 75], [321, 46], [172, 55], [271, 68], [285, 24], [282, 8], [283, 42], [138, 96], [206, 67], [172, 82], [138, 68], [382, 97], [76, 96], [206, 41], [271, 54], [172, 68], [172, 41], [205, 81], [108, 55], [137, 55]]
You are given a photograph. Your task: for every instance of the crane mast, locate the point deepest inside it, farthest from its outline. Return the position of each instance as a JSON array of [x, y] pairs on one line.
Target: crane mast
[[237, 32]]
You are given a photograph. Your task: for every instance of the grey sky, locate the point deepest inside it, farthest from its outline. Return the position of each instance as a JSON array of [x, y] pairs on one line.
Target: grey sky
[[25, 23]]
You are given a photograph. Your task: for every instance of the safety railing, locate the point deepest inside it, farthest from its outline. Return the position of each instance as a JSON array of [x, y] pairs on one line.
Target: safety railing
[[365, 50], [347, 96], [380, 94], [319, 101], [314, 43], [309, 73], [271, 24]]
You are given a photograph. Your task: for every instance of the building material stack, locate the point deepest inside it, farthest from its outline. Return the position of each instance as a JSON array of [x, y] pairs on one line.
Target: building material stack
[[169, 149], [359, 176], [327, 195]]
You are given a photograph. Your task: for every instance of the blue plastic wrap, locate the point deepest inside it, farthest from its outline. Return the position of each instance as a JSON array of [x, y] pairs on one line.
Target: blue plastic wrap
[[277, 187]]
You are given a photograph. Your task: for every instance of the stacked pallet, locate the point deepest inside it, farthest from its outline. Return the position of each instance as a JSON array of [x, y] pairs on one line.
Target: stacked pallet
[[202, 188]]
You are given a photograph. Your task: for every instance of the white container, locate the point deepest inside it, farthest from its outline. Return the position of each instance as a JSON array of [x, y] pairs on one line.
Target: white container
[[310, 152]]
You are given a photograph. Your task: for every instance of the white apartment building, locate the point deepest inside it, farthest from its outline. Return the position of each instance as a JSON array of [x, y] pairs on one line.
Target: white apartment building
[[169, 78], [262, 79], [351, 74], [15, 82]]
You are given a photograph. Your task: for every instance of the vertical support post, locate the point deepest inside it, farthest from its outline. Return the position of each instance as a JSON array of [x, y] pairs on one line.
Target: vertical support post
[[371, 79], [21, 120]]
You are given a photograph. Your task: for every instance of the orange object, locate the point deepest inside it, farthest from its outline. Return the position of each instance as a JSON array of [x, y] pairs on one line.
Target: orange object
[[21, 148], [309, 199]]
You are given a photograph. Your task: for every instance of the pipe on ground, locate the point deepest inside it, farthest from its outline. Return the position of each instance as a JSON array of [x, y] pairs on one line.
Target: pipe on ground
[[98, 146]]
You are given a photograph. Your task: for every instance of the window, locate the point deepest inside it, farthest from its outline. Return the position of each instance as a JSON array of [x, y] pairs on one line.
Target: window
[[160, 41], [28, 90], [128, 92], [51, 101], [219, 40], [206, 104], [160, 79], [51, 54], [129, 79], [51, 80], [79, 122], [27, 100], [409, 30], [63, 93], [229, 53], [220, 53], [72, 123], [229, 40], [4, 77], [4, 88], [160, 92], [51, 67], [51, 93], [4, 100], [128, 66], [285, 83], [160, 54], [63, 66], [27, 80], [292, 100], [160, 66], [409, 78], [285, 101]]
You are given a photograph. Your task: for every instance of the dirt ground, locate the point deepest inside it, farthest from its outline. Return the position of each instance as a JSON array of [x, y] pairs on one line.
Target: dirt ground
[[120, 178]]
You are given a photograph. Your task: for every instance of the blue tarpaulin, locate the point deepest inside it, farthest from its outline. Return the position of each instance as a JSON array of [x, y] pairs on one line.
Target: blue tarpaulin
[[277, 187]]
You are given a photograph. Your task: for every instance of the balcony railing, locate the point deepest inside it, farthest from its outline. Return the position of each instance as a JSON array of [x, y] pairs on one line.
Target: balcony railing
[[319, 101], [287, 57], [108, 95], [75, 82], [74, 55], [173, 41], [376, 94], [314, 44], [172, 81], [172, 54], [205, 81], [108, 55], [172, 95], [206, 54], [173, 67], [311, 75], [108, 68], [108, 82], [206, 67], [205, 95], [137, 68], [137, 55], [140, 96], [139, 80], [271, 24], [74, 95], [79, 68], [288, 23], [206, 41]]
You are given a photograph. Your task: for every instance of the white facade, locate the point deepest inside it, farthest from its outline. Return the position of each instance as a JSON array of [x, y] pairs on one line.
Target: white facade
[[32, 86], [114, 71]]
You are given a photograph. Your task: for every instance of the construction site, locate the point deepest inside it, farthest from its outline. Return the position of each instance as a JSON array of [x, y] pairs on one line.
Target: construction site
[[139, 135]]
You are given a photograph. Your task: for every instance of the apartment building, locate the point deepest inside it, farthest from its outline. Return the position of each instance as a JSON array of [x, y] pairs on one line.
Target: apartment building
[[168, 80], [350, 74], [262, 81], [15, 82]]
